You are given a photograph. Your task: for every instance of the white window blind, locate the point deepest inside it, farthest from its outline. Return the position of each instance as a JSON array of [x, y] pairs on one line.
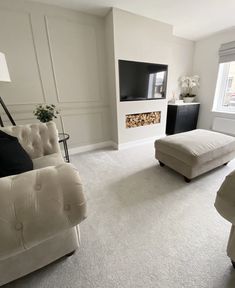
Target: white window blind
[[227, 52]]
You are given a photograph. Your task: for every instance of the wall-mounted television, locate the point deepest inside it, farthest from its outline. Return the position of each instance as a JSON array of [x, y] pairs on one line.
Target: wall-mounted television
[[142, 81]]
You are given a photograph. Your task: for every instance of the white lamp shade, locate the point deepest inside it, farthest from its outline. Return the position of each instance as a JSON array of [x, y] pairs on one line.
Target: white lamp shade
[[4, 73]]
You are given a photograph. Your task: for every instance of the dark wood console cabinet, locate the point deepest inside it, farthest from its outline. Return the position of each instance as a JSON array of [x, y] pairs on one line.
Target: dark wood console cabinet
[[181, 117]]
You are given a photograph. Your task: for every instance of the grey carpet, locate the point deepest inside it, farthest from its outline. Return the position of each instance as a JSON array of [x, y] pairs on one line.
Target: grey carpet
[[145, 228]]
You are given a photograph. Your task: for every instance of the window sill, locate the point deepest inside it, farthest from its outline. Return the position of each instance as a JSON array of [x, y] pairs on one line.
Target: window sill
[[223, 112]]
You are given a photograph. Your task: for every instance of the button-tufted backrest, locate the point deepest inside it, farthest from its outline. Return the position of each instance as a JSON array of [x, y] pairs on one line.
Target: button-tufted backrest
[[38, 139]]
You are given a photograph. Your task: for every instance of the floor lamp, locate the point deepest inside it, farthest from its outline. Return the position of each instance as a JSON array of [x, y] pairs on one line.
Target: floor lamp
[[4, 77]]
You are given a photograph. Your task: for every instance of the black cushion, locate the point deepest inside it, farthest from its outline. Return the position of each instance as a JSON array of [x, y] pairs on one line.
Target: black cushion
[[13, 158]]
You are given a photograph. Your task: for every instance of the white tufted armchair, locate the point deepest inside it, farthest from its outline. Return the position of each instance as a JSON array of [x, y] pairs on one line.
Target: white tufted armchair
[[39, 210]]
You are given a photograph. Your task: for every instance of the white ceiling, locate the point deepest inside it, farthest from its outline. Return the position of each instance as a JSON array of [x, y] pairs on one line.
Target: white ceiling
[[191, 19]]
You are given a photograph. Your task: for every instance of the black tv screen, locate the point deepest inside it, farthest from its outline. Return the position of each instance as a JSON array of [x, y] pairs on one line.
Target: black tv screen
[[142, 81]]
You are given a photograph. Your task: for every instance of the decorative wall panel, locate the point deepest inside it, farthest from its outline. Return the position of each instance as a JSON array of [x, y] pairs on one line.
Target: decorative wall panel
[[56, 56], [74, 58], [17, 42], [79, 125]]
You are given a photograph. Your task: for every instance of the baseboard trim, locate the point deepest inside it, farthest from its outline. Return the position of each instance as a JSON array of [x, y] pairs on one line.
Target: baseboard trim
[[90, 147], [114, 145], [138, 142]]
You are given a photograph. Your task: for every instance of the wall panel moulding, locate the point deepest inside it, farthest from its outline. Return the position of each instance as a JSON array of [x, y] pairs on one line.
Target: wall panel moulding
[[143, 119]]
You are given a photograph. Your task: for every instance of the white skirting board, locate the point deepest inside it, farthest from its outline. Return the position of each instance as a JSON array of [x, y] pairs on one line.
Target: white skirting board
[[224, 125], [90, 147], [138, 142], [112, 144]]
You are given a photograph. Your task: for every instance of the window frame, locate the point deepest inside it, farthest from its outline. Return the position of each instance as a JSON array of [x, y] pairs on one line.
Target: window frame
[[221, 84]]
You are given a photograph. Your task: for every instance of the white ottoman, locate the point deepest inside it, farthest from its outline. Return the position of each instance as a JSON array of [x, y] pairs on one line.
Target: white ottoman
[[195, 152]]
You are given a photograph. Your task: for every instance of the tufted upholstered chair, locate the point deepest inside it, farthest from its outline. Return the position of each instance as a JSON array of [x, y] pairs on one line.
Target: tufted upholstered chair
[[224, 204], [39, 210]]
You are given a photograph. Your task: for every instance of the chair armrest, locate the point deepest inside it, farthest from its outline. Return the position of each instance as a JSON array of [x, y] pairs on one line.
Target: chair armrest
[[225, 198], [37, 205]]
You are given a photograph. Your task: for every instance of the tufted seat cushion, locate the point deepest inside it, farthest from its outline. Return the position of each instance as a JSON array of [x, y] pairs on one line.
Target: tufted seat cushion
[[48, 160], [51, 202]]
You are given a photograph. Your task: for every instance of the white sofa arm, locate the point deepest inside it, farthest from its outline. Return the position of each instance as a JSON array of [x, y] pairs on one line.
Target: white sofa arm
[[36, 205], [225, 198]]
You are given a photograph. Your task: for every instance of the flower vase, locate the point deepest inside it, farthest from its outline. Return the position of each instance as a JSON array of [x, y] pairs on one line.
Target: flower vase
[[188, 99]]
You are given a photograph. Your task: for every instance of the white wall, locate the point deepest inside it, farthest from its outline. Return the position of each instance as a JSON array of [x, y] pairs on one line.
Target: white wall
[[56, 56], [142, 39], [70, 59], [206, 66]]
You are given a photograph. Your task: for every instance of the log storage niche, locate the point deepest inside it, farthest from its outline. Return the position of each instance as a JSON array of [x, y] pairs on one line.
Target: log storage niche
[[143, 119]]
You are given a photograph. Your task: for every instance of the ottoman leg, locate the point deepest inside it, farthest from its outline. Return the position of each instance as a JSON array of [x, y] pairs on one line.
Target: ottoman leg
[[187, 180], [161, 164], [70, 254]]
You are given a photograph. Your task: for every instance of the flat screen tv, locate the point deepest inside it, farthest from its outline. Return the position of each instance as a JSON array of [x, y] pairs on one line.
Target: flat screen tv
[[142, 81]]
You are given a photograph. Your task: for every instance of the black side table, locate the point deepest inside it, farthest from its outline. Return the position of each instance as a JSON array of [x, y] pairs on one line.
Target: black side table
[[63, 138], [181, 117]]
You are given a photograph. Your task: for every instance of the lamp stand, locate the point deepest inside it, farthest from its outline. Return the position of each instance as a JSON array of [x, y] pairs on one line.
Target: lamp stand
[[7, 112]]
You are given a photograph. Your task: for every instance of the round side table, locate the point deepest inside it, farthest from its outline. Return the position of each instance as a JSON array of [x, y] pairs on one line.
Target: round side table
[[63, 138]]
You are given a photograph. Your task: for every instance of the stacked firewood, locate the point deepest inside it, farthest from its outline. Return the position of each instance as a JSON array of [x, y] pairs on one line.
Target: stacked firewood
[[142, 119]]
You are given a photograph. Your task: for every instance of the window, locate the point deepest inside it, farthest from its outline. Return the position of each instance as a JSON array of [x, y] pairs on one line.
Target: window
[[224, 100], [225, 88]]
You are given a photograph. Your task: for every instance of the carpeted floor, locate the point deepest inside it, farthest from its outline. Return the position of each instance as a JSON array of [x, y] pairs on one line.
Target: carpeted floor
[[146, 228]]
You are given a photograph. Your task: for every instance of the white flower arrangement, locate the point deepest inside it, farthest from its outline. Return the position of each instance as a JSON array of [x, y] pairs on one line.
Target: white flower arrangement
[[187, 83]]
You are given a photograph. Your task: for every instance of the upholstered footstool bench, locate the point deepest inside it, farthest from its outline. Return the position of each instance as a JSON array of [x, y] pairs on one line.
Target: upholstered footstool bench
[[195, 152]]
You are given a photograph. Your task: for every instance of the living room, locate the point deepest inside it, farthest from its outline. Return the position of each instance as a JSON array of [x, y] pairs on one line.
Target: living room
[[143, 225]]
